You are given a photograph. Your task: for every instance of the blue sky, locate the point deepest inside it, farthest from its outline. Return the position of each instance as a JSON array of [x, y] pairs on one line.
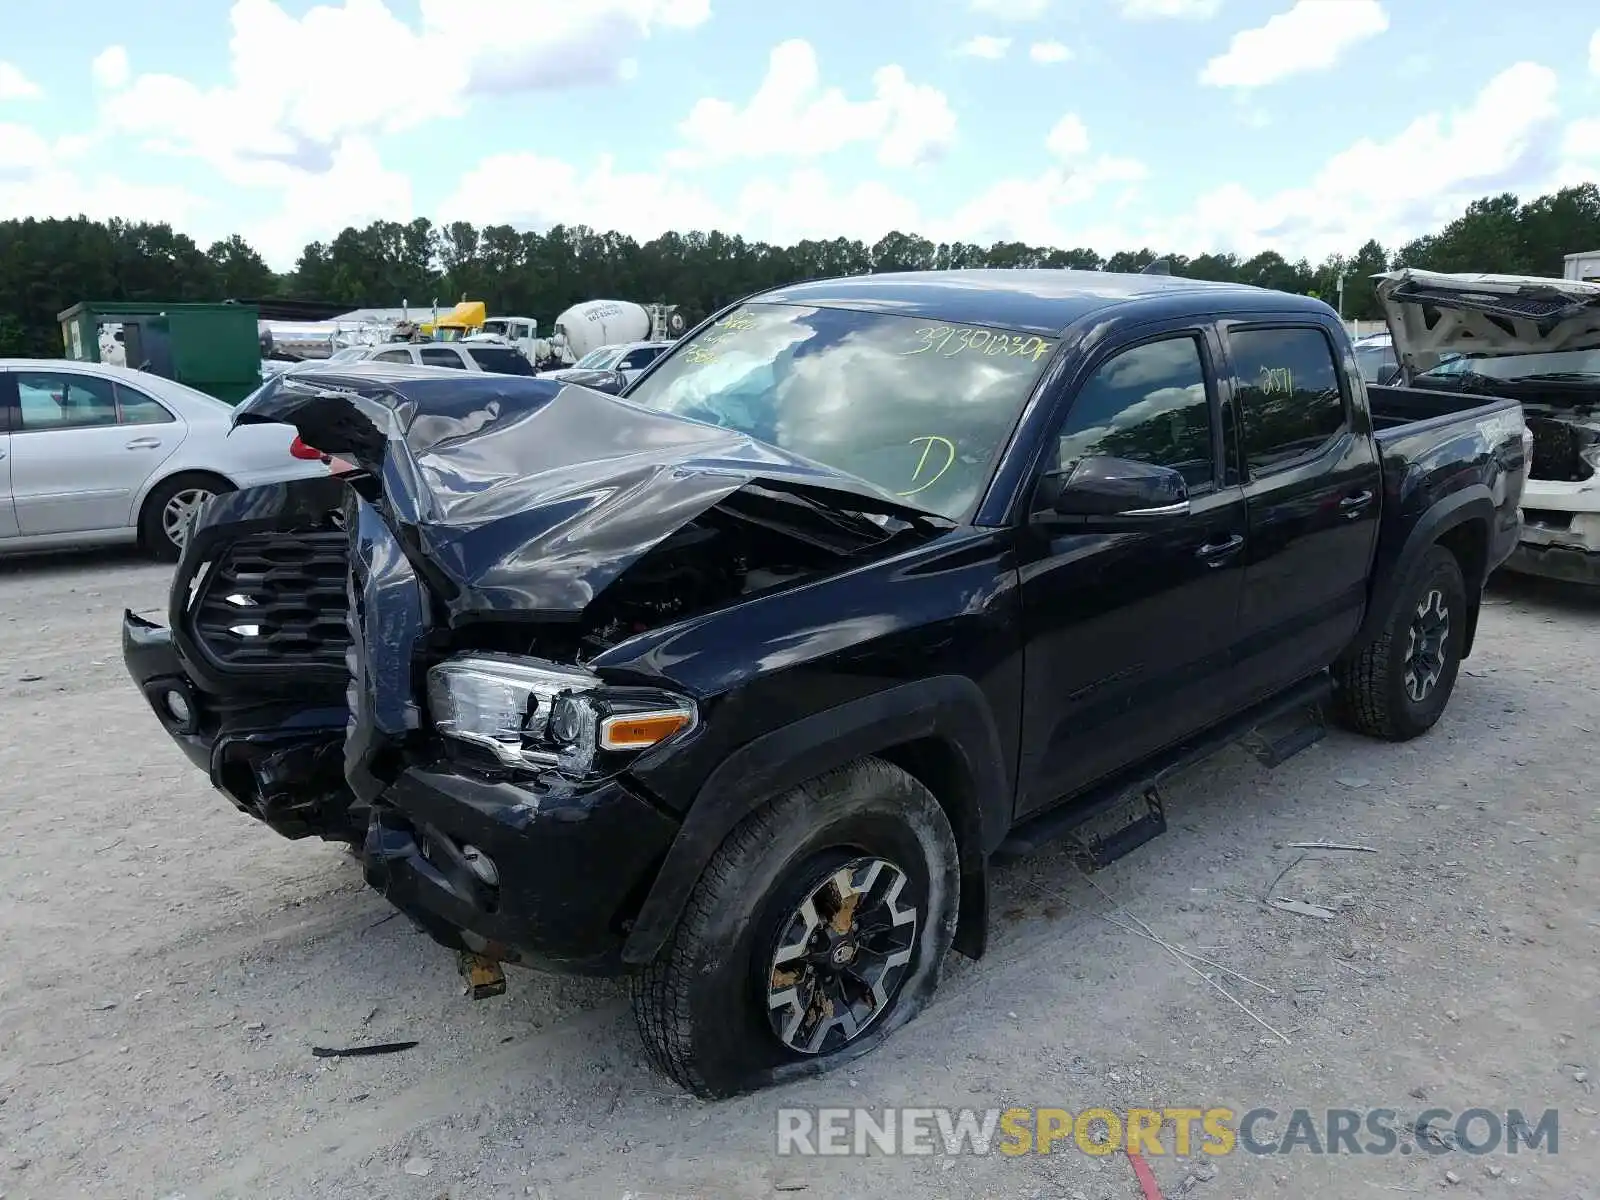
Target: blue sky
[[1184, 124]]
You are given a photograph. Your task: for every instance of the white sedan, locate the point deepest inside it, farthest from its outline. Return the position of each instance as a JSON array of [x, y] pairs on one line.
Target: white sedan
[[96, 454]]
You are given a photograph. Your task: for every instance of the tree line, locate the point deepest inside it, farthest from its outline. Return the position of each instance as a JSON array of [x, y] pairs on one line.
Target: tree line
[[48, 265]]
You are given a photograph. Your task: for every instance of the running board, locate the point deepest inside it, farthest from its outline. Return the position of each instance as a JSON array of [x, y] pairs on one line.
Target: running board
[[1117, 817]]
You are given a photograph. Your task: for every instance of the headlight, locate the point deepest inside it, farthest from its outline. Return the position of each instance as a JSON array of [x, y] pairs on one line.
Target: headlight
[[532, 713]]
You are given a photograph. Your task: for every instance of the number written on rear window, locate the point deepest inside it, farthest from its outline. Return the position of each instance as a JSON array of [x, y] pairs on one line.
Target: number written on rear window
[[1289, 396]]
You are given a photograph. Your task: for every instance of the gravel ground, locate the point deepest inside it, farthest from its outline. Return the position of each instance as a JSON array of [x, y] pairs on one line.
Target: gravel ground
[[166, 966]]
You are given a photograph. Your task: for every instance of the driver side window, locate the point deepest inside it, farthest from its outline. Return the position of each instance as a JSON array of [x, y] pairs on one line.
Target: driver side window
[[1147, 403]]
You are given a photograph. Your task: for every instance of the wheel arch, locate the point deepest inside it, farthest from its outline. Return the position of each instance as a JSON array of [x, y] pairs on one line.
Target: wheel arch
[[1461, 523], [940, 731]]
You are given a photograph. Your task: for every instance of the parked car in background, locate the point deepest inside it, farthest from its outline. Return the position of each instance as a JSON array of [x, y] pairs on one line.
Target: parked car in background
[[1536, 340], [740, 683], [91, 453], [631, 358], [461, 356], [1375, 358]]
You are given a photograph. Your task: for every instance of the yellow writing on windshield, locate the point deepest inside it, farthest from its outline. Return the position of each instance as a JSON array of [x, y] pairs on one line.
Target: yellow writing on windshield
[[951, 340], [707, 348], [934, 448]]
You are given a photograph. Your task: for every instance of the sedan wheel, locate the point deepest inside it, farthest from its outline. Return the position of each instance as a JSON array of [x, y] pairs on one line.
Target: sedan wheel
[[179, 513]]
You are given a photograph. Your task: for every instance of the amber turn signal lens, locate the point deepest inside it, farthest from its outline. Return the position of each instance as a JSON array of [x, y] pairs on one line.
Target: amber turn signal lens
[[639, 731]]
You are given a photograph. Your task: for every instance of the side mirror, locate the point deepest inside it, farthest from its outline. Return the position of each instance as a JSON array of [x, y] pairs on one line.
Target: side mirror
[[1104, 486]]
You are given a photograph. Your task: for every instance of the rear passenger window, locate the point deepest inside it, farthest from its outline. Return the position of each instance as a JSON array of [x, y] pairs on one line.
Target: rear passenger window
[[432, 357], [1289, 398], [138, 409], [1149, 404]]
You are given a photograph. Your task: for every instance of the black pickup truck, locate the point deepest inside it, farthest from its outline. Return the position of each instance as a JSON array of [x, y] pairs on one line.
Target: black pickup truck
[[740, 683]]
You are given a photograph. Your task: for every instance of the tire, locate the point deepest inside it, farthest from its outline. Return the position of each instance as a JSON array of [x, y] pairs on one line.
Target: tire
[[703, 1005], [155, 520], [1393, 688]]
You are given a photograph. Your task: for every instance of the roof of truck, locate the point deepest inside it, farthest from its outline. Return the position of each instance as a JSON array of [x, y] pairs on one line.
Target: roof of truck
[[1041, 301]]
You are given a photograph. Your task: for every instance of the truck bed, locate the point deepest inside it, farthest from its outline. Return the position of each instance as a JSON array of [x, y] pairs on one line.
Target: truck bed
[[1395, 408]]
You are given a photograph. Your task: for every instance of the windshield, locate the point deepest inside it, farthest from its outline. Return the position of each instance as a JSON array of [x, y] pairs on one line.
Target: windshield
[[598, 360], [916, 407], [348, 354], [1556, 364]]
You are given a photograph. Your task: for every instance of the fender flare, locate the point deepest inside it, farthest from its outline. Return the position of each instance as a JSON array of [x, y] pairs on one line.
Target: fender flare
[[1474, 503], [949, 708]]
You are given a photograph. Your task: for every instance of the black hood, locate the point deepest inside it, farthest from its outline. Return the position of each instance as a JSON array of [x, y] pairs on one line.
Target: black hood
[[529, 496]]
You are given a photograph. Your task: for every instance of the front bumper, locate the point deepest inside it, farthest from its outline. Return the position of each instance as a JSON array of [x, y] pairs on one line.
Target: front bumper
[[542, 873], [278, 761], [1560, 531]]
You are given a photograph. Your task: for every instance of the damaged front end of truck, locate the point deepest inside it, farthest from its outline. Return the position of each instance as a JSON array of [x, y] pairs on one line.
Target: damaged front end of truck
[[460, 657], [1538, 341]]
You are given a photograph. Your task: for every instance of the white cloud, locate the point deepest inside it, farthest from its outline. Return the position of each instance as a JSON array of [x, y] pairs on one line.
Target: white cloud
[[1311, 36], [1068, 138], [1154, 10], [985, 45], [792, 115], [1413, 182], [1034, 210], [1049, 52], [1011, 10], [38, 179], [356, 189], [110, 67], [530, 191], [14, 85], [352, 64]]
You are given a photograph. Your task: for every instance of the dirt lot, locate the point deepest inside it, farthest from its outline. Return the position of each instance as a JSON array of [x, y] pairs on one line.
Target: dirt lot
[[166, 967]]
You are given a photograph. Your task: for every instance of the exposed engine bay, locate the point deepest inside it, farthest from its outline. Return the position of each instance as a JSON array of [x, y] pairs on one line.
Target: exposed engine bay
[[752, 543]]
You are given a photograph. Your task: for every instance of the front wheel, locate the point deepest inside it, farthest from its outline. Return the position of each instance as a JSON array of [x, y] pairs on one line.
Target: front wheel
[[1396, 687], [819, 927]]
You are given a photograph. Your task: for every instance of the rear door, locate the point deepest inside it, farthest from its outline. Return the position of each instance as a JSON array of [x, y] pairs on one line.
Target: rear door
[[1129, 634], [8, 404], [1312, 484], [74, 467]]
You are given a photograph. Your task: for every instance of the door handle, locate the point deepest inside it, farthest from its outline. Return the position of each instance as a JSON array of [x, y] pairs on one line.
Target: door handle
[[1214, 554], [145, 443], [1354, 506]]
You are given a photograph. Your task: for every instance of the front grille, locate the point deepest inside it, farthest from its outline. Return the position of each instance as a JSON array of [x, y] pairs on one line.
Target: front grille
[[277, 600]]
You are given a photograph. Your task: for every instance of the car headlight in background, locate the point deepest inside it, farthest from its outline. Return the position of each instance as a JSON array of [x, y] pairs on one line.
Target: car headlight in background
[[531, 713]]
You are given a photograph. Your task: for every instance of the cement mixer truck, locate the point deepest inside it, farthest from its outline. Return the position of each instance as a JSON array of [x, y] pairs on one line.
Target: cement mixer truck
[[595, 323]]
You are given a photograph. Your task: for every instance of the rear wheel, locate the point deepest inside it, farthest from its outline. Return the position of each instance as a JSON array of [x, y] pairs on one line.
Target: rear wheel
[[170, 509], [1397, 686], [819, 927]]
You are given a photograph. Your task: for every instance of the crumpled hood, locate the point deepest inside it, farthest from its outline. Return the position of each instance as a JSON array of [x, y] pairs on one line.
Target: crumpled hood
[[1486, 314], [528, 496]]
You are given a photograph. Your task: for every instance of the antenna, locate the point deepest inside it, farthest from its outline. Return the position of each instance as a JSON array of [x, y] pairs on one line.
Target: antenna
[[1159, 267]]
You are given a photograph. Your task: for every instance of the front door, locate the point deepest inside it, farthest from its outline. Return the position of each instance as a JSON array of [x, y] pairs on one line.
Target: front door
[[1128, 632], [1312, 484], [74, 468]]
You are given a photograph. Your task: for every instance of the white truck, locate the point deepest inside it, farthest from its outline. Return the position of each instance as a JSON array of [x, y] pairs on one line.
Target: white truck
[[586, 327], [520, 333]]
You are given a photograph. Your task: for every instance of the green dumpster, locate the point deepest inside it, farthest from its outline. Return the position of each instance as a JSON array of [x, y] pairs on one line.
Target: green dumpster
[[214, 348]]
